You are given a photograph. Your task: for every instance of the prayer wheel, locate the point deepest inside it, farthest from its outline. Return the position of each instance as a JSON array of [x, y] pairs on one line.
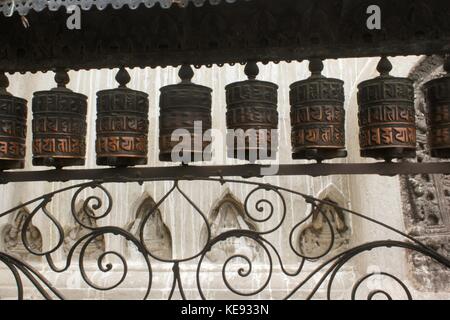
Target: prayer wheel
[[13, 128], [387, 116], [318, 116], [122, 125], [252, 117], [437, 97], [185, 114], [59, 125]]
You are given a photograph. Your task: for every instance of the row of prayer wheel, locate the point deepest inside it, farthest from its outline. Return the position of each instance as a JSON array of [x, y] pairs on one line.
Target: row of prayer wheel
[[386, 119]]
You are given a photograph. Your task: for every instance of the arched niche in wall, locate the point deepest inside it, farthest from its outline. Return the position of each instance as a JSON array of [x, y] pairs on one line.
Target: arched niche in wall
[[426, 198], [316, 236], [76, 231], [11, 236], [228, 214], [157, 236]]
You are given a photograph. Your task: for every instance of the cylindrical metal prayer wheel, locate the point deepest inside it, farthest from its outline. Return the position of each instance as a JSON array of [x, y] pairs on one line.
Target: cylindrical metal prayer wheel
[[122, 125], [185, 119], [59, 125], [437, 96], [318, 116], [387, 116], [252, 117], [13, 128]]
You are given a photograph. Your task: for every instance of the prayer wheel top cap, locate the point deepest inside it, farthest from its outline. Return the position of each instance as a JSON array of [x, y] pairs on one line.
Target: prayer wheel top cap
[[186, 74], [446, 76], [122, 78], [249, 82], [384, 67], [447, 64], [4, 93], [251, 71], [4, 84], [316, 67], [121, 90], [61, 79]]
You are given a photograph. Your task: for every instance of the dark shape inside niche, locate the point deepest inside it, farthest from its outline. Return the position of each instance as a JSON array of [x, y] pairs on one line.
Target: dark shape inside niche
[[77, 231], [316, 238], [227, 215], [157, 237], [11, 236]]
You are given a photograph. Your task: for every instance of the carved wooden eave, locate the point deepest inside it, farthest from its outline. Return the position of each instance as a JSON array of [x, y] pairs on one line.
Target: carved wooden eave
[[208, 32]]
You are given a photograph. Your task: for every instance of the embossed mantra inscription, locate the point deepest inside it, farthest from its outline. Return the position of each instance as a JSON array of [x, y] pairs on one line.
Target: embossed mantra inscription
[[59, 128], [182, 106], [387, 118], [252, 105], [13, 128], [318, 117], [437, 96], [122, 127]]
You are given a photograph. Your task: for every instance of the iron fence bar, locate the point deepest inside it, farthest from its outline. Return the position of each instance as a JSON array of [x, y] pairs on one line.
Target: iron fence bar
[[246, 171]]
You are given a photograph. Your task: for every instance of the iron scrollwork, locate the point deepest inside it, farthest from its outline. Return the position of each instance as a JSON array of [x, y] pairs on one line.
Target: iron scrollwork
[[257, 210]]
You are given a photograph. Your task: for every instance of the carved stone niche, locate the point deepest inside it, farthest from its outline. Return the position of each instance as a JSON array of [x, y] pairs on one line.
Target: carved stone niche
[[11, 236], [316, 237], [77, 231], [426, 198], [228, 214], [157, 236]]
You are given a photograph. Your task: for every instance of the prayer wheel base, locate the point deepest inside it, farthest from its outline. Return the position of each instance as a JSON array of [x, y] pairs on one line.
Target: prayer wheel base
[[121, 161], [193, 157], [389, 154], [319, 154], [11, 164], [57, 162], [249, 155], [443, 154]]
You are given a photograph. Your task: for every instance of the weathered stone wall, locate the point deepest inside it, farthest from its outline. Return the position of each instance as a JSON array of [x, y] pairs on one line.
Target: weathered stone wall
[[426, 198]]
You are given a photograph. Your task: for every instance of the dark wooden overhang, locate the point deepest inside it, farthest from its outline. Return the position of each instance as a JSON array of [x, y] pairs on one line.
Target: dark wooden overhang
[[206, 32]]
